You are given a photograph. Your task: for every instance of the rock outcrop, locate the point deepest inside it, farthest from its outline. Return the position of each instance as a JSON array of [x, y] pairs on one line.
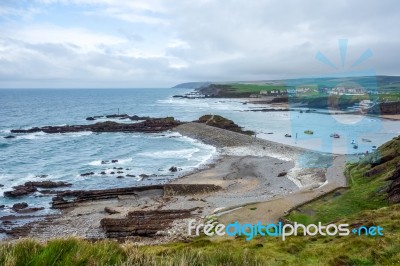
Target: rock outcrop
[[222, 122], [394, 187], [19, 206], [142, 223], [32, 186], [19, 191], [47, 184], [150, 126], [77, 196], [386, 108]]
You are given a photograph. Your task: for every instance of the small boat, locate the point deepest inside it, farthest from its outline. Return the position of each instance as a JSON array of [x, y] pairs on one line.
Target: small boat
[[366, 140], [288, 135], [373, 148], [309, 132], [335, 135], [353, 142]]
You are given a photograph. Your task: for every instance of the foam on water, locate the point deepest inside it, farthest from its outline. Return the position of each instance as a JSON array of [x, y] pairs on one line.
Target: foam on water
[[206, 159], [79, 134], [196, 103], [107, 162], [182, 153], [31, 136], [95, 163]]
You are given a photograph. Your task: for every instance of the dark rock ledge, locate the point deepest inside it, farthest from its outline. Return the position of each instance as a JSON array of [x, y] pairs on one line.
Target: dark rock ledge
[[151, 126], [142, 223], [71, 198], [31, 187], [146, 223]]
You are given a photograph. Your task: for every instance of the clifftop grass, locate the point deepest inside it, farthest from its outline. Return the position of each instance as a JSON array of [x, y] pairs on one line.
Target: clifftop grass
[[300, 250]]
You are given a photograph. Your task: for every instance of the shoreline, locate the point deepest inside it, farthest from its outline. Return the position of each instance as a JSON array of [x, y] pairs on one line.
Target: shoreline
[[246, 169]]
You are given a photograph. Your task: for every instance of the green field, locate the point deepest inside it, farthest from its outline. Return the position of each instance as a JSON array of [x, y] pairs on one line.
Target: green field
[[256, 88]]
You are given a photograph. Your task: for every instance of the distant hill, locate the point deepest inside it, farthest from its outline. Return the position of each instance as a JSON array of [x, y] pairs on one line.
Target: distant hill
[[191, 85]]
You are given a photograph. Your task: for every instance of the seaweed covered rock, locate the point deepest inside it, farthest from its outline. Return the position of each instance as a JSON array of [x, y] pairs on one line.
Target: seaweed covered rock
[[19, 191]]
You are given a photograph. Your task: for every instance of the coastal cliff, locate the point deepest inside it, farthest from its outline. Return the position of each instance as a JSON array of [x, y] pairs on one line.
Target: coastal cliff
[[333, 93]]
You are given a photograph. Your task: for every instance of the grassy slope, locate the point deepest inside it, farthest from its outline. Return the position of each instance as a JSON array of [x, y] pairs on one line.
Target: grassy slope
[[349, 250], [363, 204]]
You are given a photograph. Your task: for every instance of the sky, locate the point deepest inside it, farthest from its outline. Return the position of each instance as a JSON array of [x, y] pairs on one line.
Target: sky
[[160, 43]]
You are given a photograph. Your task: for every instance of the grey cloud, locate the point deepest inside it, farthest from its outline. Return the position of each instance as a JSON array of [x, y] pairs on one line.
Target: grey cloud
[[227, 40]]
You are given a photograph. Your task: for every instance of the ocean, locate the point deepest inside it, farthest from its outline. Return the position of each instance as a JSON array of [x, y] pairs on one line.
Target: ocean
[[64, 157]]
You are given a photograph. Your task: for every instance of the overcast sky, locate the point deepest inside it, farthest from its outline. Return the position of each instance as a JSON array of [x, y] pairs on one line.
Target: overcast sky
[[159, 43]]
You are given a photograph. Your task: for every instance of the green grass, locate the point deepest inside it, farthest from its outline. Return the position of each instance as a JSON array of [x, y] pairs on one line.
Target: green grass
[[389, 96], [300, 250], [256, 88], [61, 252]]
